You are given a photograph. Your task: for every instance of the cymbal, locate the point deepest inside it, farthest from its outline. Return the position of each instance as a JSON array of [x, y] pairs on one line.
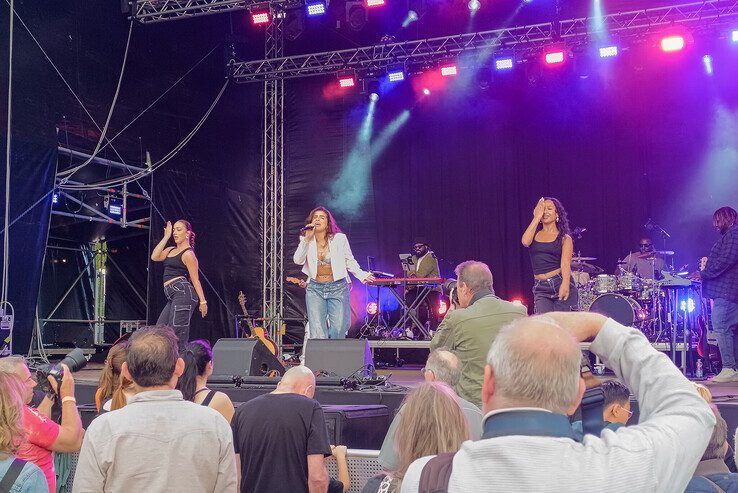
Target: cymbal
[[585, 267], [664, 252], [583, 259]]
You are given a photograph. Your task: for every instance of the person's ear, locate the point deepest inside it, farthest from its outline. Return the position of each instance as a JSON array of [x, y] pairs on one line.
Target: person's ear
[[179, 367], [488, 387], [578, 400], [125, 372]]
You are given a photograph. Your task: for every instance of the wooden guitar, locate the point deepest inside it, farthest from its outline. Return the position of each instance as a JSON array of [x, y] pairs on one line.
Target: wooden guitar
[[256, 332]]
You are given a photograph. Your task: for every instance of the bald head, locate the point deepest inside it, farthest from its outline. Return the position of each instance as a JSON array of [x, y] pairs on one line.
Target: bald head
[[443, 366], [297, 380], [533, 362]]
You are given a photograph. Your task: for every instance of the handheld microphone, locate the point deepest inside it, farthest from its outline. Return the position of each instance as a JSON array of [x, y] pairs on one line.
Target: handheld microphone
[[307, 227]]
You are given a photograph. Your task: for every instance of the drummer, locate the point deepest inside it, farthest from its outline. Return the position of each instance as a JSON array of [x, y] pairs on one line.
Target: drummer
[[646, 263]]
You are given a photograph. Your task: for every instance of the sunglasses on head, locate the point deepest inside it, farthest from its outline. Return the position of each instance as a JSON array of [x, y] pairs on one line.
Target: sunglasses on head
[[646, 245]]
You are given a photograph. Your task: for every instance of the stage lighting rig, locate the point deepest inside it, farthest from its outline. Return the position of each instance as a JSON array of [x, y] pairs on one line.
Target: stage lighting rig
[[261, 14], [347, 79]]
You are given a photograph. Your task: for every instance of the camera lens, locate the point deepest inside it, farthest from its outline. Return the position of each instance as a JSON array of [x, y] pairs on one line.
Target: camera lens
[[75, 360]]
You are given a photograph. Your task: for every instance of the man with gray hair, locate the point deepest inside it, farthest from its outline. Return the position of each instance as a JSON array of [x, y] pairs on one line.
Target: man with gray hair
[[712, 469], [470, 328], [532, 383], [442, 366], [158, 441]]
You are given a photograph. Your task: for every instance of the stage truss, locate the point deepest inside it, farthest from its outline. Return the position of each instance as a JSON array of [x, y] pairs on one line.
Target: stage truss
[[520, 41]]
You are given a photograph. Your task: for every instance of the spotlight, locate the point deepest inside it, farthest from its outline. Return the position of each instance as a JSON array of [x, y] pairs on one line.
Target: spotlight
[[396, 72], [671, 44], [346, 80], [374, 3], [449, 70], [687, 305], [426, 91], [554, 57], [372, 308], [608, 51], [505, 63], [374, 97], [412, 16], [734, 36], [261, 17], [707, 63], [315, 8], [474, 5], [442, 307], [55, 198]]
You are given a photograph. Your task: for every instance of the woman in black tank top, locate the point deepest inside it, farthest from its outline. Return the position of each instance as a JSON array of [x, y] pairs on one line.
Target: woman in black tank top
[[198, 358], [551, 249], [183, 294]]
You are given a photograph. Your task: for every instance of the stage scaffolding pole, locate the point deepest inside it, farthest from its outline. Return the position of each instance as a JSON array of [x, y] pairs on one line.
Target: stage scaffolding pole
[[272, 214]]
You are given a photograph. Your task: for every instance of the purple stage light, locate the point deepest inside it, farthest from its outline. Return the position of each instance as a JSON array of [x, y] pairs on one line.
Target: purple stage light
[[554, 57], [449, 70], [315, 8], [671, 44], [608, 51], [504, 63]]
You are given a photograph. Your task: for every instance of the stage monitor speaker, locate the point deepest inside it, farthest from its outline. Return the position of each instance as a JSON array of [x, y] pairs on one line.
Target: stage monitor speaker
[[338, 357], [243, 357]]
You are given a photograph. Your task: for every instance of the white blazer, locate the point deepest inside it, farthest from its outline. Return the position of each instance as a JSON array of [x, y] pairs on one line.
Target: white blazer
[[342, 260]]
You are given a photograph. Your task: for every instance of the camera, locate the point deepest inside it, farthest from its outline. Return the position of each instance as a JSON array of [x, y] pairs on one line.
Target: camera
[[449, 289], [75, 360]]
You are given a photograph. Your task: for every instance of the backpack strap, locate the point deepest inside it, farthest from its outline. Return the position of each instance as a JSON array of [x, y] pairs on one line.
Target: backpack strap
[[436, 474], [12, 474]]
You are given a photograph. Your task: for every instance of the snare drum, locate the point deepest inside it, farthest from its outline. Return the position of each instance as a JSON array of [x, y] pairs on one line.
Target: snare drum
[[629, 283], [605, 283], [622, 309]]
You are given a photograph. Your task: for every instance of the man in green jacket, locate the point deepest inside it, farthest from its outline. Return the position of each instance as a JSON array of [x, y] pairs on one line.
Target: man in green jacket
[[469, 329]]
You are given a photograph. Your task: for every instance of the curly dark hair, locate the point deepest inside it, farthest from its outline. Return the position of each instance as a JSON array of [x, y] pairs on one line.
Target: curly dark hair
[[563, 224], [332, 229]]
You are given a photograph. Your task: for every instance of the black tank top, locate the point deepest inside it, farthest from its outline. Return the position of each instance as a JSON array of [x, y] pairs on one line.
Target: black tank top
[[546, 256], [175, 267]]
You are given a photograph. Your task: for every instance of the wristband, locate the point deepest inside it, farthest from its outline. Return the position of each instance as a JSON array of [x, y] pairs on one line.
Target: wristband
[[68, 398]]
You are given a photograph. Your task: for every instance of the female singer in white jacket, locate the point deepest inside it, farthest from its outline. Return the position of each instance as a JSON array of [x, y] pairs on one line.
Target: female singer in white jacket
[[326, 258]]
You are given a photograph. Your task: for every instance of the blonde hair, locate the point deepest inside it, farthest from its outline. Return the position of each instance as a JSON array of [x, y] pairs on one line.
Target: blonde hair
[[704, 392], [12, 433], [431, 423]]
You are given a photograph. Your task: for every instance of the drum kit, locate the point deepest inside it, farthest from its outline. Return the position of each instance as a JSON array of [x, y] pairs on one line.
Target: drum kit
[[651, 305]]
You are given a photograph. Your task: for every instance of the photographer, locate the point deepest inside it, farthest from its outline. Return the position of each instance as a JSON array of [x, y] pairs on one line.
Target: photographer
[[44, 436], [469, 328]]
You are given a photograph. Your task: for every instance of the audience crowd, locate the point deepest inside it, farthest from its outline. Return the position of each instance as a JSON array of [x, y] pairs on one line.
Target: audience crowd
[[495, 413]]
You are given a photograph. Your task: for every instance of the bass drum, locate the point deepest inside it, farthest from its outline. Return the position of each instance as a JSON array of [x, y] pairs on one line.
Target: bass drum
[[618, 307]]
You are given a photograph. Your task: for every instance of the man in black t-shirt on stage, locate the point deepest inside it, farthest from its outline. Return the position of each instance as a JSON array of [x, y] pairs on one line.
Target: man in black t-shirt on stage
[[280, 438]]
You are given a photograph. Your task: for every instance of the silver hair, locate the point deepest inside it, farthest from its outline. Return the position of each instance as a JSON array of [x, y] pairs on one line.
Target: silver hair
[[474, 274], [716, 446], [534, 374], [445, 366], [9, 364]]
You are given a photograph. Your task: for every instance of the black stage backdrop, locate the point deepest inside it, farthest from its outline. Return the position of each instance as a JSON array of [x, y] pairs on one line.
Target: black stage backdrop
[[465, 170]]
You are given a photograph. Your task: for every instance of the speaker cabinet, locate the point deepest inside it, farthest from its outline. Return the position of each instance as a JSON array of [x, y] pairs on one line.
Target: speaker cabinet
[[338, 357], [242, 357]]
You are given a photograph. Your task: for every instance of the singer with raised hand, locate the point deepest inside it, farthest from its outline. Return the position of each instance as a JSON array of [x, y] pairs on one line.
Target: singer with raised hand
[[183, 294], [325, 256], [551, 247]]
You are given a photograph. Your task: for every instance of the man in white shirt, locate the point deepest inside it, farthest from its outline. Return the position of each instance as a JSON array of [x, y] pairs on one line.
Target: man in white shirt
[[532, 382], [158, 441]]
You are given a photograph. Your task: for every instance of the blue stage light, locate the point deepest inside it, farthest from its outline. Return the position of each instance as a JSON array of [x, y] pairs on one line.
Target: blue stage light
[[505, 63], [608, 51], [734, 36], [315, 8], [55, 198], [707, 63]]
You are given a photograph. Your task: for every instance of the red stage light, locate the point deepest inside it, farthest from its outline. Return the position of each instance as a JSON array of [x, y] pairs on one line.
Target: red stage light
[[449, 70], [554, 57], [258, 18], [374, 3], [442, 307], [671, 44], [347, 81], [372, 308]]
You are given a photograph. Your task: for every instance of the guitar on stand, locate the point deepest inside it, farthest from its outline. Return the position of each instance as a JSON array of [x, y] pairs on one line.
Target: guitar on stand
[[256, 332]]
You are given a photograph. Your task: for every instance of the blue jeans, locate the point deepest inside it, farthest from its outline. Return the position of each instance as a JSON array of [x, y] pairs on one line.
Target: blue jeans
[[328, 309], [546, 296], [725, 326], [182, 301]]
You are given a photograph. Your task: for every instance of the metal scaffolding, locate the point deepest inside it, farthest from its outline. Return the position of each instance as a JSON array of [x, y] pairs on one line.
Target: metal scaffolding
[[272, 213], [520, 40]]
